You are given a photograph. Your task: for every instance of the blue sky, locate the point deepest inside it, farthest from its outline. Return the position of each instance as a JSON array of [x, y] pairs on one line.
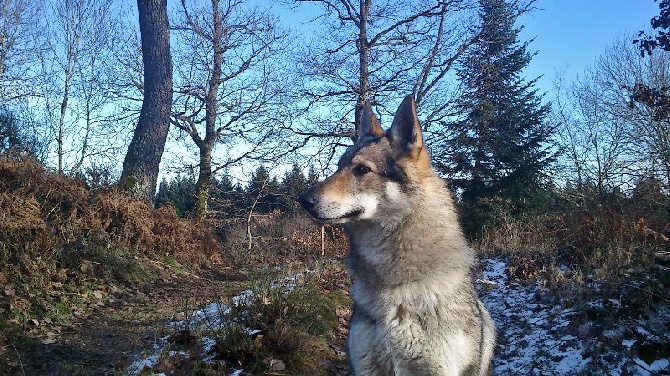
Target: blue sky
[[571, 34]]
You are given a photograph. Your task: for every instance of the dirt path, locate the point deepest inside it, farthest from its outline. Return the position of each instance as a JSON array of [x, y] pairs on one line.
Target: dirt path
[[106, 341]]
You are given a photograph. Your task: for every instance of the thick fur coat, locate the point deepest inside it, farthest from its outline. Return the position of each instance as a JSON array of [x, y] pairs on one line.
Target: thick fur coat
[[415, 310]]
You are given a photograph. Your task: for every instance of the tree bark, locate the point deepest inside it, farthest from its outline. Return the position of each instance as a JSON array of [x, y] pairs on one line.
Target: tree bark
[[363, 62], [140, 167], [204, 182]]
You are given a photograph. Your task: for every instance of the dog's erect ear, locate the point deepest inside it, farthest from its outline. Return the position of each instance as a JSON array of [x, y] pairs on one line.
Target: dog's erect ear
[[405, 132], [369, 125]]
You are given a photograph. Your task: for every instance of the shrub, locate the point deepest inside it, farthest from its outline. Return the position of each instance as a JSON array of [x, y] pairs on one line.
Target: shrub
[[57, 235]]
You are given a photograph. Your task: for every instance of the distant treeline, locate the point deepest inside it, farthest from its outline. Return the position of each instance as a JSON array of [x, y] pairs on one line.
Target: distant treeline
[[263, 194]]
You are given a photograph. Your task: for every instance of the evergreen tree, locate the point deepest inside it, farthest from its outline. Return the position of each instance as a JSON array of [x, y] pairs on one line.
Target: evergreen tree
[[312, 176], [10, 136], [180, 192], [240, 200], [17, 133], [292, 185], [498, 153], [262, 191], [224, 197]]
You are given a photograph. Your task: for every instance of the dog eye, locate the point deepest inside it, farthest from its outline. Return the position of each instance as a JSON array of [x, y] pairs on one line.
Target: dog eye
[[361, 170]]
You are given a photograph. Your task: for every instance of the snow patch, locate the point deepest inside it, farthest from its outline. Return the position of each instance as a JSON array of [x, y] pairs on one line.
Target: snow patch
[[538, 336], [212, 316]]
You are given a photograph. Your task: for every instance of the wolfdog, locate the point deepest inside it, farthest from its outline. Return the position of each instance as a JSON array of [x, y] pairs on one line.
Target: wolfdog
[[415, 309]]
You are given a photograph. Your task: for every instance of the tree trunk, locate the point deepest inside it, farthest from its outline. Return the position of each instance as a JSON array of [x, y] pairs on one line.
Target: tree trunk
[[140, 167], [206, 147], [363, 63], [204, 183], [63, 110]]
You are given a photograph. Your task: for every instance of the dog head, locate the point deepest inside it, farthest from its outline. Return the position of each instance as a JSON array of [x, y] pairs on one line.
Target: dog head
[[377, 175]]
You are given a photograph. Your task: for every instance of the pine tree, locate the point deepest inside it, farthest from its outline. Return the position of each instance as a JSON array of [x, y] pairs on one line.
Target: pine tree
[[499, 150], [312, 176], [10, 136], [292, 185], [224, 198], [261, 193], [180, 192]]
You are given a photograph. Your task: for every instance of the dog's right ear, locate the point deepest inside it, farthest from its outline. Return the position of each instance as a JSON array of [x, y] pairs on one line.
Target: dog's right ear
[[405, 132], [369, 125]]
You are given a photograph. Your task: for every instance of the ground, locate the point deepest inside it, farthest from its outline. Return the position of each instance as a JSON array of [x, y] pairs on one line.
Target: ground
[[543, 329], [571, 327], [108, 339]]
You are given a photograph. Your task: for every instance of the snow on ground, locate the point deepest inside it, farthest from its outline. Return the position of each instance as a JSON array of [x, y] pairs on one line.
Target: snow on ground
[[538, 336], [211, 317]]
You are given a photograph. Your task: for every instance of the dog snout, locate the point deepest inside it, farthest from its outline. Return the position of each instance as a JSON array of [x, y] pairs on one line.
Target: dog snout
[[307, 200]]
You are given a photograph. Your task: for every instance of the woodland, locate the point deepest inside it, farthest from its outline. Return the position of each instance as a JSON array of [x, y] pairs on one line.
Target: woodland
[[151, 154]]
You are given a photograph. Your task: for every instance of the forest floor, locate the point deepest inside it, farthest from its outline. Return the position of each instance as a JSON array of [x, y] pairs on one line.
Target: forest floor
[[544, 327], [106, 339]]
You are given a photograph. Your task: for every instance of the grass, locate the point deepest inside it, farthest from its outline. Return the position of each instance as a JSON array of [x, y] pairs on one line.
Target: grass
[[295, 328]]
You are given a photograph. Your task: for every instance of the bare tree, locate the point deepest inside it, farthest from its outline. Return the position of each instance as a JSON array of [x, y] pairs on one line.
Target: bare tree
[[19, 46], [142, 161], [612, 138], [618, 73], [93, 87], [605, 147], [379, 51], [229, 86], [80, 38]]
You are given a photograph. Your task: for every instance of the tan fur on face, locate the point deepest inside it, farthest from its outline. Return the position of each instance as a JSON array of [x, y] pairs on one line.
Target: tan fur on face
[[336, 186], [345, 196]]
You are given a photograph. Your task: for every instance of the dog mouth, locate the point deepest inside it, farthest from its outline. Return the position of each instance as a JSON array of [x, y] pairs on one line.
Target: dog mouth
[[351, 214]]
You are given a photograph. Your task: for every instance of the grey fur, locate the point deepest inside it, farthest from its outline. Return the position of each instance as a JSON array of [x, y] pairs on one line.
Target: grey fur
[[415, 308]]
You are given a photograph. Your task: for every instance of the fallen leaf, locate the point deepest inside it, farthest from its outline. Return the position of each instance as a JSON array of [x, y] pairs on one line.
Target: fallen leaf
[[258, 341], [277, 365], [85, 266], [166, 366], [48, 340], [10, 290]]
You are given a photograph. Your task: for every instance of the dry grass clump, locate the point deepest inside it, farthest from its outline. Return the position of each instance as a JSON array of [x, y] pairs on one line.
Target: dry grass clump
[[583, 239], [302, 329], [59, 241], [603, 264], [586, 256], [293, 324]]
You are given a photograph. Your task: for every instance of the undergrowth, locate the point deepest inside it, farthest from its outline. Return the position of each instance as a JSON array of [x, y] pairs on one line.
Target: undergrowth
[[298, 327], [294, 325], [610, 268], [64, 249]]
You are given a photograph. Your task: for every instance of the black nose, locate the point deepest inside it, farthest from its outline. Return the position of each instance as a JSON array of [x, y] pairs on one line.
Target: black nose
[[307, 200]]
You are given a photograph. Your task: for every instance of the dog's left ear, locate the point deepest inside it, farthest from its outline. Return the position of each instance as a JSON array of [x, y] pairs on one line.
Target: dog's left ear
[[405, 132], [369, 125]]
